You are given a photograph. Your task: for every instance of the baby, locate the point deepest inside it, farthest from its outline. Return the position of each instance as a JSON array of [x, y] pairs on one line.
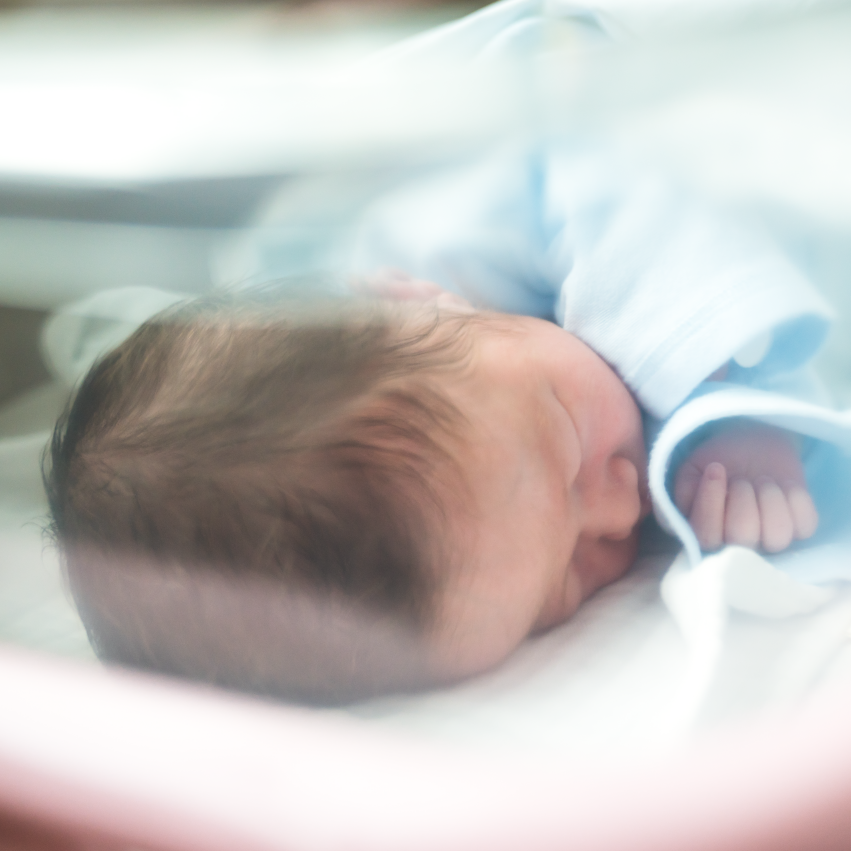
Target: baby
[[330, 500]]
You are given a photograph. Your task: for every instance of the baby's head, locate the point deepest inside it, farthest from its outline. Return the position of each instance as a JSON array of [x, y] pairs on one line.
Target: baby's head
[[331, 501]]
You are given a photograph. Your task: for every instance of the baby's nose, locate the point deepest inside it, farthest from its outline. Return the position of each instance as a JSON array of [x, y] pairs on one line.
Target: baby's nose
[[619, 506]]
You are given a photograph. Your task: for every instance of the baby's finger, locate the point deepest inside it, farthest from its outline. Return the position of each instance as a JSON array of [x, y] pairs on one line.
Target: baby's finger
[[454, 303], [803, 510], [397, 285], [778, 530], [741, 520], [707, 513], [685, 487]]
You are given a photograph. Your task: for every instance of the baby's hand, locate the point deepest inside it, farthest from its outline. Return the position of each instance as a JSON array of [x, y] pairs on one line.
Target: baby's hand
[[746, 486], [395, 285]]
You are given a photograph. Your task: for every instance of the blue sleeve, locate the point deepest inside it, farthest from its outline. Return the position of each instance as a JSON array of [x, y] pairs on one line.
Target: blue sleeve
[[475, 231], [664, 288]]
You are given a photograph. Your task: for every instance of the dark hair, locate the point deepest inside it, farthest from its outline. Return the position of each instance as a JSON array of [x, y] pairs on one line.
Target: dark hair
[[292, 444]]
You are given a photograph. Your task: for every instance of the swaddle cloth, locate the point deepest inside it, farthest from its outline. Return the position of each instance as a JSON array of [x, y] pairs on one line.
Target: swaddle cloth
[[700, 592]]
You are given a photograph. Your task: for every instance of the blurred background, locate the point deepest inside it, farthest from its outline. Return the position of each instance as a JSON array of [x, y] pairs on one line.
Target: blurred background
[[185, 146]]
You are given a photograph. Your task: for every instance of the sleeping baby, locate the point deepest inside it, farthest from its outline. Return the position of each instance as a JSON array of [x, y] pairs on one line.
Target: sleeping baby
[[326, 499]]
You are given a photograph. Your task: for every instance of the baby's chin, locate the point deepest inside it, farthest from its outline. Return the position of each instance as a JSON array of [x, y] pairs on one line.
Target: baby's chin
[[613, 562], [468, 649], [604, 562], [460, 649]]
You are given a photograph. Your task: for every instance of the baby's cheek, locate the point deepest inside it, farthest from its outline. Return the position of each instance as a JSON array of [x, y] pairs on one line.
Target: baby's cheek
[[561, 603], [595, 563]]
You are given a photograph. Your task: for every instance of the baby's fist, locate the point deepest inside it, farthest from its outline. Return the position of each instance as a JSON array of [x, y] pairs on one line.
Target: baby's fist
[[746, 486]]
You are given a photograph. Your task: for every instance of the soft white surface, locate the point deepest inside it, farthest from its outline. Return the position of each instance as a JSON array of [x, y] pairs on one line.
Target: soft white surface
[[621, 678]]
